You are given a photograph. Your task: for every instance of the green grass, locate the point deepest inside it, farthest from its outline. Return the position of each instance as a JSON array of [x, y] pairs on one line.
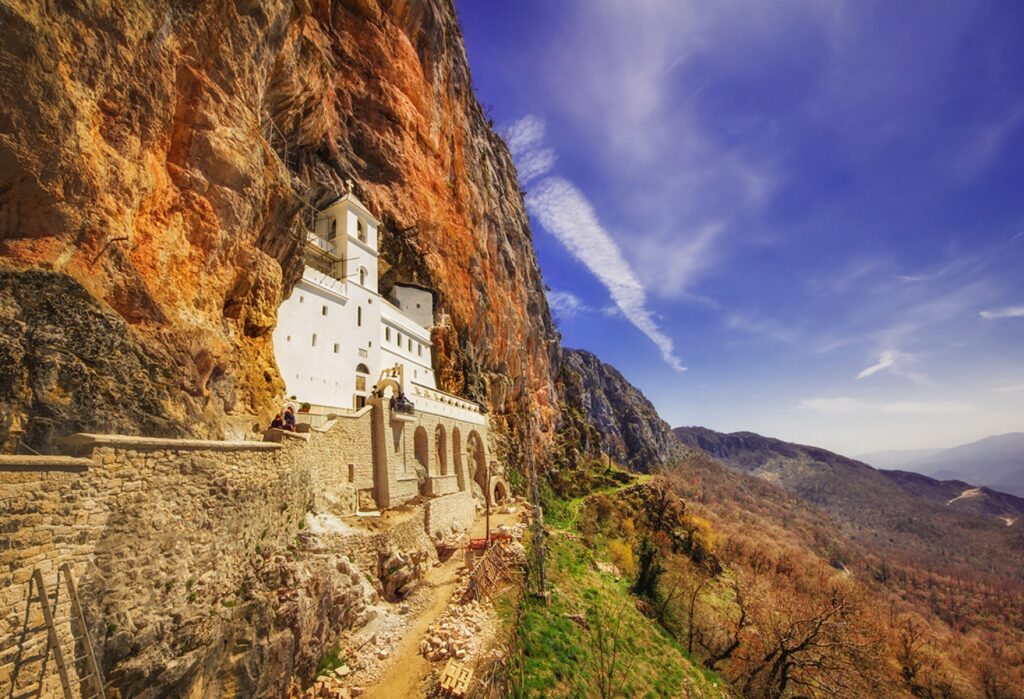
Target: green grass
[[557, 656], [330, 661]]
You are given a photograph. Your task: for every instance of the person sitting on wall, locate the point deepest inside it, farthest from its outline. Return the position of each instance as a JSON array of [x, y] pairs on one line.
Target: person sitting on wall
[[289, 419], [278, 422]]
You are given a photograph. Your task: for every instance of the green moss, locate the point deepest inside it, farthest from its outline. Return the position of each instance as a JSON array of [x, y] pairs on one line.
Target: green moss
[[330, 661]]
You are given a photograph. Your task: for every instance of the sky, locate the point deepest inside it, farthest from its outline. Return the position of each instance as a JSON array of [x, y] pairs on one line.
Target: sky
[[799, 218]]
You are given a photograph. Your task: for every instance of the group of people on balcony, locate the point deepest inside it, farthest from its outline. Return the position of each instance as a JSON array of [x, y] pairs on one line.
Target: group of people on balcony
[[401, 404], [284, 420]]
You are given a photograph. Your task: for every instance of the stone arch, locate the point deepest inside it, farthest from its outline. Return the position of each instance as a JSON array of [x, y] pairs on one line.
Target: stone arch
[[460, 471], [441, 449], [499, 491], [477, 465], [421, 448]]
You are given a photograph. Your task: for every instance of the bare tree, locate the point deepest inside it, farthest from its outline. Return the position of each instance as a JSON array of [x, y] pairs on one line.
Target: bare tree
[[611, 668]]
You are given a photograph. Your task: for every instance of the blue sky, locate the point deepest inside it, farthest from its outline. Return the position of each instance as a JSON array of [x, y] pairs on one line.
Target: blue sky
[[804, 219]]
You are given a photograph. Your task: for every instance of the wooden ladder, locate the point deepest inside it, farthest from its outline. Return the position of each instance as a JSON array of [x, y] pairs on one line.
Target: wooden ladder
[[76, 618]]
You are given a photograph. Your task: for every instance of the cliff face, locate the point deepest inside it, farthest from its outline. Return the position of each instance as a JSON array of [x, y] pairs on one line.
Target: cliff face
[[626, 423], [165, 158]]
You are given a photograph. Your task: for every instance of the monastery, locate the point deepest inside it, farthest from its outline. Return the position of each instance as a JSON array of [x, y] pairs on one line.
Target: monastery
[[347, 354]]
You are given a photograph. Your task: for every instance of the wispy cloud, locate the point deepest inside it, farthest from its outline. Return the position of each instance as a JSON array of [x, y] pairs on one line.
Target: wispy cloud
[[565, 212], [567, 304], [1015, 388], [846, 405], [1009, 312], [886, 361], [762, 327]]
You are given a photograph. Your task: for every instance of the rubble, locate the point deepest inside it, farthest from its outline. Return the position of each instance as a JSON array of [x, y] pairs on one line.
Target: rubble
[[457, 634]]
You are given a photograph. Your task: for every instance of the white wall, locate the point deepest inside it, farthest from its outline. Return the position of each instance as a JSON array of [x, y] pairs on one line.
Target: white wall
[[325, 373], [414, 353], [417, 304]]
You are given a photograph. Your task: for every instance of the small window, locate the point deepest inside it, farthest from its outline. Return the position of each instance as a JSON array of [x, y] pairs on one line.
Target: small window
[[333, 232], [360, 231], [314, 339], [288, 338], [362, 276], [301, 298], [410, 345], [415, 374], [399, 339], [417, 305], [387, 334], [359, 316], [323, 310], [419, 350], [337, 348]]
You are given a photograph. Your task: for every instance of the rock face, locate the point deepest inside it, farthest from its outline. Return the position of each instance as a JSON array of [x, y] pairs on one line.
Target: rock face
[[627, 425], [167, 158], [66, 360]]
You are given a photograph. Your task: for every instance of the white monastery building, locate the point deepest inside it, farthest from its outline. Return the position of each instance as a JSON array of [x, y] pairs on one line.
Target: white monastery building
[[335, 334]]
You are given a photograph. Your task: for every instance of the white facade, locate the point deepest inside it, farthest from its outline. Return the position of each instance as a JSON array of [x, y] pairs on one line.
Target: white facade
[[335, 333], [415, 302]]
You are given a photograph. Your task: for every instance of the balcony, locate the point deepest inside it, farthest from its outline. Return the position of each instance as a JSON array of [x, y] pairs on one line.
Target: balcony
[[323, 245]]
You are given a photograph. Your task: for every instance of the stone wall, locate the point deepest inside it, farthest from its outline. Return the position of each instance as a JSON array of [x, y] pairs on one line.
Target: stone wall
[[163, 535], [165, 538], [451, 512]]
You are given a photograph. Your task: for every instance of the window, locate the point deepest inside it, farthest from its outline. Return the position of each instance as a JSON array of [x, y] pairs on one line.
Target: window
[[332, 233], [387, 334], [301, 298], [362, 368], [419, 350], [314, 339], [410, 345], [359, 316], [323, 311], [337, 347], [399, 339], [288, 338], [360, 231], [362, 276]]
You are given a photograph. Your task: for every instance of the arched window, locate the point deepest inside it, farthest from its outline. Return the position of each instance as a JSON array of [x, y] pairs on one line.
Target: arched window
[[362, 369], [360, 231], [421, 449], [332, 232], [362, 276]]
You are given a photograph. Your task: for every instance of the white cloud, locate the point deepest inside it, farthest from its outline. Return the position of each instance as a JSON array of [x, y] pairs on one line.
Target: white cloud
[[762, 327], [886, 361], [1009, 312], [1010, 389], [566, 303], [845, 405], [565, 212]]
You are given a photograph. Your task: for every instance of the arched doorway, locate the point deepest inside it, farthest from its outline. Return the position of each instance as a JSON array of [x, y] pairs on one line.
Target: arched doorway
[[499, 492], [475, 452], [460, 472], [441, 447], [422, 449]]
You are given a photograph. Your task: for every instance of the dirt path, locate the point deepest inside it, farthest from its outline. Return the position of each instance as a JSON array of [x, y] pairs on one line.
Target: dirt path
[[408, 670]]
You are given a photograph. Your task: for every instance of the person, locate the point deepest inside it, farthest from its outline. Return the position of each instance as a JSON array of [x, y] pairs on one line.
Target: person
[[278, 423], [289, 419], [392, 402]]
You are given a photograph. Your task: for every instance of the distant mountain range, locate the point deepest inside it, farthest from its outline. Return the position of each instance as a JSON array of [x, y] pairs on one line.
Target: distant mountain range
[[994, 462]]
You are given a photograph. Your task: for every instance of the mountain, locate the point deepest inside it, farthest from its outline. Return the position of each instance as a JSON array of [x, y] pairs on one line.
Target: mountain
[[890, 515], [996, 462], [627, 425], [895, 458], [959, 495], [162, 161]]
